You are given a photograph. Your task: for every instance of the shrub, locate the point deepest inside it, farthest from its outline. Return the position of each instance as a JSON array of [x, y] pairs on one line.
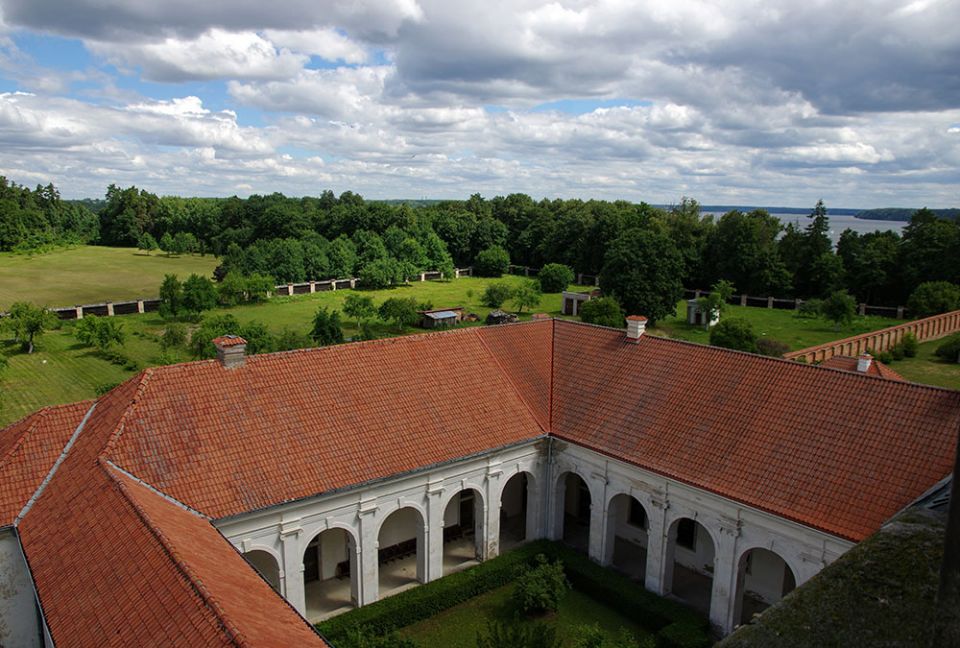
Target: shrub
[[527, 295], [542, 588], [99, 332], [772, 348], [810, 309], [886, 357], [363, 638], [897, 352], [326, 327], [500, 635], [555, 277], [381, 273], [171, 295], [604, 311], [592, 636], [839, 308], [950, 349], [734, 333], [934, 297], [681, 634], [496, 294], [910, 345], [491, 262], [175, 335]]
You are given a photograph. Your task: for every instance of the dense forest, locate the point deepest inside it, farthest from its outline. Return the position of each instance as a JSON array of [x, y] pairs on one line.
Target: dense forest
[[295, 239]]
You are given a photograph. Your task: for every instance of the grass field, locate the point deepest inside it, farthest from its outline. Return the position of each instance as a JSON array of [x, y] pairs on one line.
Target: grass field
[[928, 368], [91, 274], [458, 626], [61, 371]]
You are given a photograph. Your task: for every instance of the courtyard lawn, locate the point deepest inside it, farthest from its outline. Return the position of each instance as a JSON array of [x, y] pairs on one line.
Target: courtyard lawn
[[928, 368], [782, 325], [91, 274], [62, 371], [458, 626]]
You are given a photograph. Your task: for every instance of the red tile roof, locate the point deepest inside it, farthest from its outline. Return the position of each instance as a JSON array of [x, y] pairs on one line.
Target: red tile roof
[[833, 450], [849, 363], [115, 562], [28, 449], [228, 341]]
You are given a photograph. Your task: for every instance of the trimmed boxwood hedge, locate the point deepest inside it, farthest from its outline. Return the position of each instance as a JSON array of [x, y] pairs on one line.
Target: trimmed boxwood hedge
[[675, 625]]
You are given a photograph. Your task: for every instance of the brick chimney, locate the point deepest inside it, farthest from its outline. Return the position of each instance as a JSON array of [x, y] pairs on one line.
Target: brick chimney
[[863, 362], [636, 325], [231, 350]]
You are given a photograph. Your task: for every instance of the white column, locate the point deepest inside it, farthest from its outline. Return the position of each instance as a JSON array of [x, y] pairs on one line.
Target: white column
[[79, 312], [292, 574], [723, 596], [139, 305], [598, 516], [109, 309], [491, 501], [656, 548], [369, 585], [535, 499], [433, 527]]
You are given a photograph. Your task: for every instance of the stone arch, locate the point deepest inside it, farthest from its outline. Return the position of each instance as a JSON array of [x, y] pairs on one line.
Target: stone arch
[[627, 542], [763, 578], [266, 564], [463, 528], [518, 503], [574, 500], [331, 573], [689, 561], [401, 549]]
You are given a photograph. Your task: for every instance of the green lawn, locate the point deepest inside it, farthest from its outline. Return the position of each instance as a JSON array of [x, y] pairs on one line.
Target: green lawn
[[458, 626], [782, 325], [928, 368], [91, 274], [61, 371]]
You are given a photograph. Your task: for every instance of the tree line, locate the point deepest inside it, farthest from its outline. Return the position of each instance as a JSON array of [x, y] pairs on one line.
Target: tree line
[[329, 236]]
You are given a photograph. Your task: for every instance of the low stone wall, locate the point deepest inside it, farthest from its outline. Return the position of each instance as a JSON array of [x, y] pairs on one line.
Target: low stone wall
[[790, 303], [925, 330]]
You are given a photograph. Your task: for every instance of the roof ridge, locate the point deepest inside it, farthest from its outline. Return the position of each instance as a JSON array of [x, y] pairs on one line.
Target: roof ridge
[[509, 380], [234, 634], [37, 416], [153, 489], [143, 378]]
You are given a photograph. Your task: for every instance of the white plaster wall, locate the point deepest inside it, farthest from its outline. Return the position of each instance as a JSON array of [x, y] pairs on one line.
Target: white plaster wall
[[701, 558], [511, 501], [400, 527], [451, 517], [19, 620], [333, 551], [267, 565], [619, 512], [766, 577]]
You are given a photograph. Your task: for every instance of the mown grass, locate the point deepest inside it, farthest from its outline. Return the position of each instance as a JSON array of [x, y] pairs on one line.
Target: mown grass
[[458, 627], [928, 368], [90, 274], [782, 325], [62, 371]]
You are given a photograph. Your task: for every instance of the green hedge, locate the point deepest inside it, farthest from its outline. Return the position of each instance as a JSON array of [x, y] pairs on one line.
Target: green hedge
[[675, 625]]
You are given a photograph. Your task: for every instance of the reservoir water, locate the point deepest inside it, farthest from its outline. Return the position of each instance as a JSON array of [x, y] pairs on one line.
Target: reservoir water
[[837, 223]]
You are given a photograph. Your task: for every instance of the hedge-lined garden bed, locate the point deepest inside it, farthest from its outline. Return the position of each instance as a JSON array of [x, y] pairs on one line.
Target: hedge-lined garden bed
[[673, 624]]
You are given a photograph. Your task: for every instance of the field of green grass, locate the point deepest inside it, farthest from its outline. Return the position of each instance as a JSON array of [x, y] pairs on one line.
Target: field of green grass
[[91, 274], [458, 626], [63, 371], [782, 325], [928, 368]]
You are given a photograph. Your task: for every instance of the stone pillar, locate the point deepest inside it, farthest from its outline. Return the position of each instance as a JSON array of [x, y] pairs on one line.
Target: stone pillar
[[291, 576], [109, 309], [770, 302], [333, 284], [491, 501], [724, 594], [139, 305], [526, 271], [598, 520], [433, 528], [863, 309], [369, 584], [575, 303], [696, 294], [353, 284], [79, 309], [423, 276], [289, 289], [579, 278], [656, 547], [743, 299], [456, 273], [313, 287]]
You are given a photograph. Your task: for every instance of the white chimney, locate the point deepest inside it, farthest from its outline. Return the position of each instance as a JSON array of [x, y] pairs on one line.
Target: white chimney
[[636, 325], [863, 362], [231, 350]]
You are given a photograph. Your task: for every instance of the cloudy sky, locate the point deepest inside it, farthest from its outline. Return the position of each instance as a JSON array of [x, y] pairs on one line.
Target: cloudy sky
[[740, 102]]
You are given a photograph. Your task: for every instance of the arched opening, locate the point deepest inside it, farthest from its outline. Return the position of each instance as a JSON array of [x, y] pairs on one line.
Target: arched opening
[[266, 565], [574, 511], [402, 551], [689, 563], [763, 578], [626, 543], [516, 511], [330, 574], [463, 531]]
